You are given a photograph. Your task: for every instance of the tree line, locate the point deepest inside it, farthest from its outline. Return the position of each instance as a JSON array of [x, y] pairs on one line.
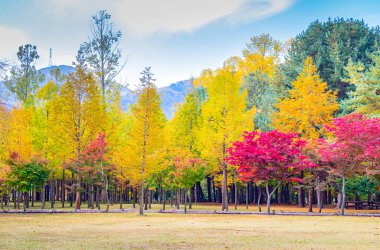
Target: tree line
[[280, 120]]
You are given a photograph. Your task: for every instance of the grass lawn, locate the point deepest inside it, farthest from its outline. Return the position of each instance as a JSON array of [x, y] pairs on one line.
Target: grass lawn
[[179, 231], [206, 206]]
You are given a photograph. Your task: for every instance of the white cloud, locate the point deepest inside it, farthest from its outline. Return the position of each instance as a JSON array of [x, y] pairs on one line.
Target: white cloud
[[145, 17], [11, 39]]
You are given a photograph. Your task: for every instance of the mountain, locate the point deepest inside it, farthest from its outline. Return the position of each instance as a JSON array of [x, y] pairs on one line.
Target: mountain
[[171, 95]]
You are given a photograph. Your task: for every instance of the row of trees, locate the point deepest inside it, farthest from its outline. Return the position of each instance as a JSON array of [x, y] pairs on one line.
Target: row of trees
[[256, 120]]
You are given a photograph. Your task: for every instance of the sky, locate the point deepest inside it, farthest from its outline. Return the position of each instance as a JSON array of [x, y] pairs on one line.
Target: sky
[[177, 38]]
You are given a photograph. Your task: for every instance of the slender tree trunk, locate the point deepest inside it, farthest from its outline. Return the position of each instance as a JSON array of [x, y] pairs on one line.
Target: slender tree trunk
[[24, 203], [33, 196], [63, 189], [259, 199], [301, 195], [224, 188], [339, 202], [310, 200], [164, 199], [269, 194], [20, 199], [236, 189], [246, 196], [105, 179], [319, 200], [343, 195], [209, 193], [150, 198], [146, 200], [177, 199], [185, 207], [190, 198], [134, 197], [78, 198], [196, 193], [52, 194], [121, 196]]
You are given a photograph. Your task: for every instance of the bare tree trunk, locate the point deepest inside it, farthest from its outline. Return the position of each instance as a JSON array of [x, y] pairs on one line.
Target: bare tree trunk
[[339, 203], [196, 193], [52, 196], [224, 188], [164, 199], [121, 196], [343, 195], [77, 198], [134, 197], [150, 198], [259, 199], [24, 203], [190, 198], [236, 190], [269, 194], [246, 196], [33, 195], [310, 200], [63, 188], [146, 199], [185, 207], [177, 199]]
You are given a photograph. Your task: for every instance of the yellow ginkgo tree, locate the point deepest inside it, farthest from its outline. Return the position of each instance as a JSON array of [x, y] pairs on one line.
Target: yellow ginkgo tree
[[224, 117], [309, 106]]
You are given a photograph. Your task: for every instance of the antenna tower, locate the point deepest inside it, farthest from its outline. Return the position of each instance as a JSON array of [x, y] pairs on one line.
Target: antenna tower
[[50, 58]]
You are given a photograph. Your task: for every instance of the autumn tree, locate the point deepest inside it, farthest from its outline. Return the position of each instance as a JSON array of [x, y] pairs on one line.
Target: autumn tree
[[309, 105], [271, 157], [25, 175], [94, 156], [77, 112], [261, 77], [355, 148], [24, 79], [224, 118], [146, 130]]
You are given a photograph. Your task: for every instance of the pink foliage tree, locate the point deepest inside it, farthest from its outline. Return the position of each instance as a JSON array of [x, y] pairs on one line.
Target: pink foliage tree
[[270, 157], [355, 148]]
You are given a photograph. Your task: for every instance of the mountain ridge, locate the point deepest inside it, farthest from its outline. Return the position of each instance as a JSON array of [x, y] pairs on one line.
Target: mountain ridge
[[171, 95]]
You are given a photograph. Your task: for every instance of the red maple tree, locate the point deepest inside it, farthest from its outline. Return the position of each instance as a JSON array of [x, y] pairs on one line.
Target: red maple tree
[[355, 148], [271, 157]]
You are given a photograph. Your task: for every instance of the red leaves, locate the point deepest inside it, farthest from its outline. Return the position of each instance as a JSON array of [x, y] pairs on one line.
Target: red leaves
[[357, 140], [269, 156], [96, 150]]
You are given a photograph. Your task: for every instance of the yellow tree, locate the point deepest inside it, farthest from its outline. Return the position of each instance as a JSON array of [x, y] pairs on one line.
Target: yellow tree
[[4, 132], [20, 139], [182, 140], [77, 112], [309, 105], [118, 127], [224, 117], [146, 132], [43, 138]]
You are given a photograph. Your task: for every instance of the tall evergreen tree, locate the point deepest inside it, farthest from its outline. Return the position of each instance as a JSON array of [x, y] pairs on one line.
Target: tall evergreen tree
[[332, 44]]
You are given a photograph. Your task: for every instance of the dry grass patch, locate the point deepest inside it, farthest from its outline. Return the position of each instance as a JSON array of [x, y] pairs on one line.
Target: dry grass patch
[[175, 231]]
